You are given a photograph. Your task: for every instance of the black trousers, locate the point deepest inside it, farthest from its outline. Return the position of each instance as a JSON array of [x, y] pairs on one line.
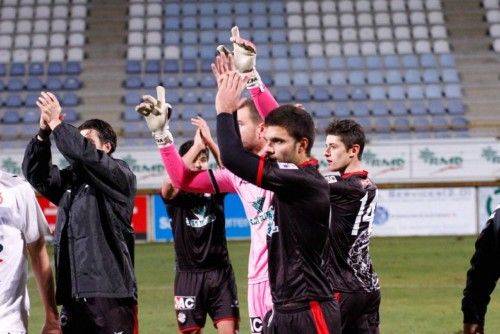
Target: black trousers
[[99, 315], [359, 312]]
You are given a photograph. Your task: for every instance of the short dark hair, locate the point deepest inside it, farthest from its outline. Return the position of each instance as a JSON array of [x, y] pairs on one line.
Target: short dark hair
[[350, 133], [104, 131], [186, 146], [296, 121]]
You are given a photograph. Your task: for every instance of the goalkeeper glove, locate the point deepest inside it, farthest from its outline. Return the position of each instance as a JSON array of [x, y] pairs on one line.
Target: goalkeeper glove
[[157, 114]]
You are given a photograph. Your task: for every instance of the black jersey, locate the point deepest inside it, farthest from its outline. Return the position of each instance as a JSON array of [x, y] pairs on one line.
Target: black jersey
[[353, 200], [298, 237], [198, 226]]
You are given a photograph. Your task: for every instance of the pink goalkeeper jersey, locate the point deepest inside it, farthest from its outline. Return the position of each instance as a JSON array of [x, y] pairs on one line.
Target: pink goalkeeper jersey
[[256, 201]]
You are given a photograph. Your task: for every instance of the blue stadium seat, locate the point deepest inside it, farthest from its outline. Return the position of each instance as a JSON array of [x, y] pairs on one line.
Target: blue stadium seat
[[224, 23], [133, 67], [322, 111], [189, 66], [283, 95], [15, 85], [412, 76], [208, 81], [433, 91], [55, 68], [133, 98], [150, 81], [133, 82], [302, 95], [338, 78], [241, 8], [430, 76], [300, 79], [190, 37], [9, 132], [337, 63], [279, 50], [172, 23], [459, 123], [298, 64], [297, 50], [206, 8], [3, 70], [206, 65], [398, 108], [376, 93], [189, 8], [189, 22], [171, 38], [171, 81], [243, 22], [340, 94], [36, 69], [357, 78], [259, 22], [2, 87], [360, 109], [342, 109], [30, 100], [208, 37], [359, 94], [456, 106], [189, 97], [321, 95], [382, 125], [450, 75], [31, 117], [208, 96], [34, 84], [282, 79], [170, 66], [13, 101], [276, 7], [396, 93], [391, 61], [452, 91], [436, 107], [379, 108], [71, 116], [415, 92], [421, 124], [73, 68], [319, 79], [277, 36], [189, 52], [393, 77], [375, 77], [17, 69], [71, 83], [418, 107], [447, 60], [11, 117], [280, 64], [132, 129], [374, 62], [207, 22], [189, 81], [266, 79], [317, 63], [409, 61], [428, 60], [401, 124], [69, 100], [54, 84], [172, 9], [277, 22], [172, 96], [265, 64], [258, 7], [355, 62], [365, 123], [130, 115], [224, 8]]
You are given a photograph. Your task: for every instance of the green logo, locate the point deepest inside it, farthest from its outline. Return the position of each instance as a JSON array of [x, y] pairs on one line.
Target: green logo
[[491, 155], [258, 204], [490, 203], [430, 158], [371, 159]]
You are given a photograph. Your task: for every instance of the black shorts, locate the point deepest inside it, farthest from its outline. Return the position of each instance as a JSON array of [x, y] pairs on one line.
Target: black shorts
[[359, 311], [313, 318], [199, 293], [99, 315]]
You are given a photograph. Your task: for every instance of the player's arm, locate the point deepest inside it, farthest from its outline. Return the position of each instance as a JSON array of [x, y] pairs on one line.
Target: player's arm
[[38, 169], [243, 58], [43, 275], [483, 274], [105, 173]]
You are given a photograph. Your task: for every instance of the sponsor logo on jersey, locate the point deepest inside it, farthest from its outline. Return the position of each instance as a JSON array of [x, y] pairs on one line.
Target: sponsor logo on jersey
[[287, 165], [331, 178], [201, 217], [181, 317], [272, 228], [257, 205], [256, 325], [184, 303], [262, 217]]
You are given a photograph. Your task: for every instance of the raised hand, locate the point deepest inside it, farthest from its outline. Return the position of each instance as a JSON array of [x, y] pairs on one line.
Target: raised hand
[[203, 128], [50, 109], [157, 113], [244, 52], [228, 96]]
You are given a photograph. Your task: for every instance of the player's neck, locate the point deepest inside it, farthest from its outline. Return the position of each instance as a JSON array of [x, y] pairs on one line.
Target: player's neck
[[353, 167]]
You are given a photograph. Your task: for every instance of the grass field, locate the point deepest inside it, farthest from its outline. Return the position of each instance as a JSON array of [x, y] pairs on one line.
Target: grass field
[[422, 281]]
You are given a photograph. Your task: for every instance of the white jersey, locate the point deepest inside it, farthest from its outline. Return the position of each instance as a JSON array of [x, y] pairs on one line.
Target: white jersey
[[21, 222]]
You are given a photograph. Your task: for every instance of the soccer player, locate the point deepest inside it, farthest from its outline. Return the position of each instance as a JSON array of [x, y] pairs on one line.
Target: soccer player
[[352, 199], [94, 239], [482, 276], [298, 237], [204, 278], [22, 230]]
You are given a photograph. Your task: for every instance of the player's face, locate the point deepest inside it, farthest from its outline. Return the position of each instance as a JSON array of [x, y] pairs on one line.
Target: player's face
[[249, 130], [200, 163], [338, 157], [93, 137], [280, 146]]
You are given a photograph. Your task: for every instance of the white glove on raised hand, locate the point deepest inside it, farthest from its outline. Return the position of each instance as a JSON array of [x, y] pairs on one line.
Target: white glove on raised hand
[[157, 114], [245, 55]]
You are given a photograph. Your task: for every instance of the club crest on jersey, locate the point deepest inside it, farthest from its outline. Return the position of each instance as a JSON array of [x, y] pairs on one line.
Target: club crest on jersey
[[272, 228], [287, 165], [331, 178], [255, 325], [258, 204], [201, 218], [181, 317], [184, 303]]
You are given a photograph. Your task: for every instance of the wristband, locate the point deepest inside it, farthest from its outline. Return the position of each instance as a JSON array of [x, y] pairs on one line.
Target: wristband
[[44, 133]]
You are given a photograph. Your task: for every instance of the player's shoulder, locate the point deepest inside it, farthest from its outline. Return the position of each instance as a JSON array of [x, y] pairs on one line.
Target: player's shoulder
[[14, 181]]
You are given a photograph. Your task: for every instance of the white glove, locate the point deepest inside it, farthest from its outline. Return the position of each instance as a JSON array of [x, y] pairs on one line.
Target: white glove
[[245, 55], [157, 114]]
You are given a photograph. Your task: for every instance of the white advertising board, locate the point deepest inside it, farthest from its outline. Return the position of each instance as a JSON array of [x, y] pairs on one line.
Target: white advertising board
[[430, 211]]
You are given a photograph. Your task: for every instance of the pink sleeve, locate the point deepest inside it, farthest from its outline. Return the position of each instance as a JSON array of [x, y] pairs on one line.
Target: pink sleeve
[[187, 180], [264, 100]]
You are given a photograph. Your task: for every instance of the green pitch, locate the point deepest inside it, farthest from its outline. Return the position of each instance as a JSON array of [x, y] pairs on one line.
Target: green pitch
[[422, 281]]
